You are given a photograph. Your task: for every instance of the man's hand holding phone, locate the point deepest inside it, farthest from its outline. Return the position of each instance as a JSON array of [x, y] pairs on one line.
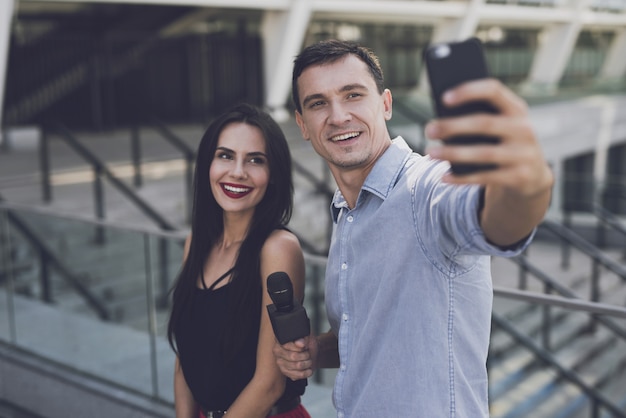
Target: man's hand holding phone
[[517, 178], [450, 65], [487, 124], [517, 154]]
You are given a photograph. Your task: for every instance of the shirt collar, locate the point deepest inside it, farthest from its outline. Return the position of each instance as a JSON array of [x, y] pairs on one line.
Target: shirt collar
[[383, 176]]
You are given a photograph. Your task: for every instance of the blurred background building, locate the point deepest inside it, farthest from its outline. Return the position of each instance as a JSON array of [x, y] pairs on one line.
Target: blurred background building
[[105, 101]]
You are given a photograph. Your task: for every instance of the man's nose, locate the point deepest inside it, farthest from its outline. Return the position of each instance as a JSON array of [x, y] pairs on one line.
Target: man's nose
[[339, 114]]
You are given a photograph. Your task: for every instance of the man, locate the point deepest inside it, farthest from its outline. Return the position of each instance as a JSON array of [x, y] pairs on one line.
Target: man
[[408, 282]]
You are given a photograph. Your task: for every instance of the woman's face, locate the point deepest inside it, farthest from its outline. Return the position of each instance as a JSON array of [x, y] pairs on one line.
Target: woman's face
[[239, 172]]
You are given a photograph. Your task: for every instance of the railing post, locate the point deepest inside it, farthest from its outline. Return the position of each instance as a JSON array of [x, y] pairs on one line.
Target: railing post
[[164, 276], [546, 327], [523, 271], [565, 246], [600, 234], [317, 299], [4, 140], [135, 151], [44, 277], [595, 291], [98, 194], [595, 408], [44, 165]]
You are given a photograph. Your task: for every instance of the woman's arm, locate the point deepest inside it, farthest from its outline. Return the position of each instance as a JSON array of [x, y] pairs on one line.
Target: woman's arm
[[185, 404], [281, 252]]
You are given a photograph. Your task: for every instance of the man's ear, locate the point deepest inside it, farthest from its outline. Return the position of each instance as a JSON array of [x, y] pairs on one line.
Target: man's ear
[[302, 126], [387, 102]]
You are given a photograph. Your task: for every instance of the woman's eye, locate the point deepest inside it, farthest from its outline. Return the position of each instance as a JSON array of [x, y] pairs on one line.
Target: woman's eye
[[257, 160], [223, 156]]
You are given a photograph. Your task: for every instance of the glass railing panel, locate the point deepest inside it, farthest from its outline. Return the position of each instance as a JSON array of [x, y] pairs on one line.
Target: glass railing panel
[[95, 306], [163, 262]]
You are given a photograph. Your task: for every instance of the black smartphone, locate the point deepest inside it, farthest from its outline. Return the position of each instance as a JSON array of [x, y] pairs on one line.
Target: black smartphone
[[449, 64]]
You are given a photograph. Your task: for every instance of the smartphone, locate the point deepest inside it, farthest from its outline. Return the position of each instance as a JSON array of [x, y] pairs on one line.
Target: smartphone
[[449, 64]]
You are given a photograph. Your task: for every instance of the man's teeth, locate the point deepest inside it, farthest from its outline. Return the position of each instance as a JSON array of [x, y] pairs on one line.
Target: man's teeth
[[236, 189], [345, 136]]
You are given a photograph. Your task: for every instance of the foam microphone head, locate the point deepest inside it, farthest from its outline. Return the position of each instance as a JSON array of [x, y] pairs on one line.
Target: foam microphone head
[[280, 290]]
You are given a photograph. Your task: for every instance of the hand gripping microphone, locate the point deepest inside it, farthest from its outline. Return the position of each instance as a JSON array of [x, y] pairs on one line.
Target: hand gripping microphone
[[288, 316]]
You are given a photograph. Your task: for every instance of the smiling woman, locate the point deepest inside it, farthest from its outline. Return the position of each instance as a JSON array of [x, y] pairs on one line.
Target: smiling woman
[[219, 326]]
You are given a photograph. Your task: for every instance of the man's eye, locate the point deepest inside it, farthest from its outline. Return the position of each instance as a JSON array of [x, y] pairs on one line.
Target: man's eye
[[316, 104], [353, 95]]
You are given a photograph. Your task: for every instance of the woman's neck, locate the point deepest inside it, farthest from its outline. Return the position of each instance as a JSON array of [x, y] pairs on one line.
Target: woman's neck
[[235, 231]]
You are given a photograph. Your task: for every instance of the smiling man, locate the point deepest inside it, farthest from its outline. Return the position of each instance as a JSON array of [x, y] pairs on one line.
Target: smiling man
[[408, 281]]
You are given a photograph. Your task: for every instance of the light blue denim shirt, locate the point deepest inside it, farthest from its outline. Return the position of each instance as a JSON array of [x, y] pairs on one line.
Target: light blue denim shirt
[[409, 294]]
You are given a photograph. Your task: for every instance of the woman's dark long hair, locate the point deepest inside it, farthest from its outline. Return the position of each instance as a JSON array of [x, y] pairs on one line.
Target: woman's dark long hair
[[207, 226]]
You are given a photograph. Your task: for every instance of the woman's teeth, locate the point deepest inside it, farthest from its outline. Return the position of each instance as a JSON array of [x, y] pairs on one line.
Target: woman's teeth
[[234, 189]]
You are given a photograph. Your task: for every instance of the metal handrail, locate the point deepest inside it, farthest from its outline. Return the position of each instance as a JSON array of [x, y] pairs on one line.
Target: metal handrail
[[101, 168], [568, 297], [176, 234], [568, 300], [49, 257], [569, 303], [609, 219], [585, 246]]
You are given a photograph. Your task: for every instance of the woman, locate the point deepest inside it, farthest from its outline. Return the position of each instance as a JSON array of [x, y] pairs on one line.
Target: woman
[[219, 326]]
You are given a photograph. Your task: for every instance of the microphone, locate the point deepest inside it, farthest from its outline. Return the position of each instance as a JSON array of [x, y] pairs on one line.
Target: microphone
[[288, 316]]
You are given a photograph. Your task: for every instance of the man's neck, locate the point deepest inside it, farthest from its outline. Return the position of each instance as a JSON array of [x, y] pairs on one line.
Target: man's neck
[[350, 183]]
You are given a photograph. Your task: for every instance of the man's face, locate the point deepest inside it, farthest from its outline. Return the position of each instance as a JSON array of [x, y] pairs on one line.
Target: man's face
[[343, 115]]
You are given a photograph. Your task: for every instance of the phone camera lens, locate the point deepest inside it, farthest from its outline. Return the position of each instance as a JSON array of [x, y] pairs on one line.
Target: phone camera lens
[[441, 51]]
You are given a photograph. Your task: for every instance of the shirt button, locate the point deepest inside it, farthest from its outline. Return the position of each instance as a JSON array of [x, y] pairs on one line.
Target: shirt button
[[350, 218], [344, 317], [339, 414], [343, 367], [344, 266]]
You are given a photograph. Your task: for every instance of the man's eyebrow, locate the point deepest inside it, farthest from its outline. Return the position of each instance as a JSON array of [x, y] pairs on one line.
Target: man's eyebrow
[[311, 98], [347, 87], [354, 86]]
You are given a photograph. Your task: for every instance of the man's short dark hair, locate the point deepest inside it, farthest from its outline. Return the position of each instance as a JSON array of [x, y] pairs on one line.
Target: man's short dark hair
[[328, 52]]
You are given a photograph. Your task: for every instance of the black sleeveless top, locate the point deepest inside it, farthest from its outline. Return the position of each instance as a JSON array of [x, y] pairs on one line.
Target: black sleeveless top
[[199, 331]]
